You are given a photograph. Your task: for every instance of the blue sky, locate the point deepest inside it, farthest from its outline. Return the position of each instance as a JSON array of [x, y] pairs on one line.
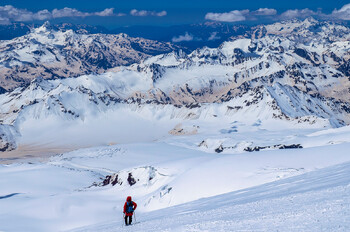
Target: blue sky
[[114, 13]]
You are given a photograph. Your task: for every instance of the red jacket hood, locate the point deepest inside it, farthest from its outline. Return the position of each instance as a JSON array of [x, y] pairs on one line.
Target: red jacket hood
[[128, 198]]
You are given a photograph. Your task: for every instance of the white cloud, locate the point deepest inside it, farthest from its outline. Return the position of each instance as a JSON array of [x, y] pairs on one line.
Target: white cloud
[[135, 12], [186, 37], [345, 8], [143, 13], [265, 11], [105, 12], [232, 16], [161, 13], [240, 15], [42, 15], [246, 15], [68, 12], [343, 13], [303, 13], [213, 36], [9, 13]]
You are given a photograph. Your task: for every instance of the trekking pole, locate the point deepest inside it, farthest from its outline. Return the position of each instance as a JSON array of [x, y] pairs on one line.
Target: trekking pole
[[135, 216], [123, 219]]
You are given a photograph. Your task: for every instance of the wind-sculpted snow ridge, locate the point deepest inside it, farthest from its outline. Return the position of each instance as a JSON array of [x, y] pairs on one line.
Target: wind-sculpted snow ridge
[[51, 54]]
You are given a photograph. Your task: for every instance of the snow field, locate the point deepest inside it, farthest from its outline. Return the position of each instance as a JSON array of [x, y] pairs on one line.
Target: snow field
[[315, 201], [185, 194]]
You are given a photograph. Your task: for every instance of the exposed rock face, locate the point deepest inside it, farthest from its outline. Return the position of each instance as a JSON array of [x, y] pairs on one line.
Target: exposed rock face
[[225, 145], [138, 176], [219, 149], [278, 146], [7, 138]]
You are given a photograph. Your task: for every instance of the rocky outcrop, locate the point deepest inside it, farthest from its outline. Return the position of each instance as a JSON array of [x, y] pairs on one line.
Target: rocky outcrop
[[278, 146], [7, 138], [137, 176]]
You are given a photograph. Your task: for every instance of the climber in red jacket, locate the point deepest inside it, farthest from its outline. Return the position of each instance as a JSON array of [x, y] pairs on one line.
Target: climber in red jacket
[[129, 208]]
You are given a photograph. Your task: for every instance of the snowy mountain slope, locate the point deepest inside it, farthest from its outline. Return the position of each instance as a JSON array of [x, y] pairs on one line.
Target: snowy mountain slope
[[270, 78], [316, 201], [67, 185], [252, 62], [48, 53], [112, 107], [313, 66]]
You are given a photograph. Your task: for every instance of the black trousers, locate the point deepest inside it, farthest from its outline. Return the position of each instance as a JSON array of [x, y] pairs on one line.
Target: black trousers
[[126, 220]]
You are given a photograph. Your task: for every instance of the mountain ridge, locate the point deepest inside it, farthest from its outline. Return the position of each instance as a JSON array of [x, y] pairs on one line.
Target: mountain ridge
[[276, 77], [54, 54]]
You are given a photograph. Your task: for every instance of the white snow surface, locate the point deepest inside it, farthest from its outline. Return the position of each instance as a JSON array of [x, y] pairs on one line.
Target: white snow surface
[[316, 201], [181, 186], [190, 163]]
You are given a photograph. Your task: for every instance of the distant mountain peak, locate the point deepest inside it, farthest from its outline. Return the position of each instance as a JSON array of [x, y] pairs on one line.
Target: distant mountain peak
[[43, 28], [53, 53], [311, 20]]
